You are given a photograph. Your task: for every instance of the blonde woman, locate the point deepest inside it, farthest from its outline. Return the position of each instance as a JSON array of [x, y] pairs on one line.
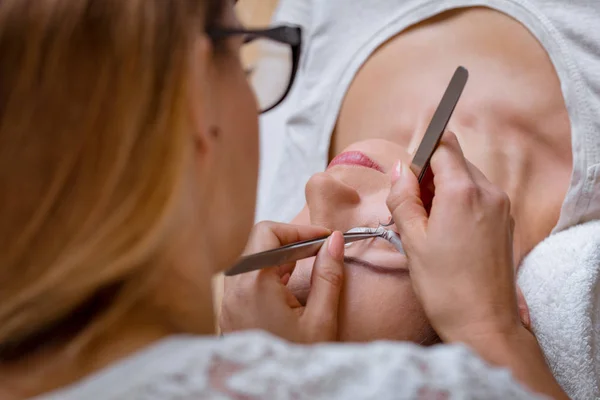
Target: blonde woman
[[128, 170]]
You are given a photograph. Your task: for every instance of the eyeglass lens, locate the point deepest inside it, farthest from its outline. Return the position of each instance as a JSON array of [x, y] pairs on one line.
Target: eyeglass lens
[[268, 65]]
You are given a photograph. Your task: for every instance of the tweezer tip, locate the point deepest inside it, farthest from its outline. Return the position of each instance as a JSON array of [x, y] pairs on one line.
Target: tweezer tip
[[383, 233], [463, 70]]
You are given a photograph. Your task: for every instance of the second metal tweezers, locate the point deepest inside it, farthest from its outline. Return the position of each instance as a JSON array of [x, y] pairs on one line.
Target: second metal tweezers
[[292, 252]]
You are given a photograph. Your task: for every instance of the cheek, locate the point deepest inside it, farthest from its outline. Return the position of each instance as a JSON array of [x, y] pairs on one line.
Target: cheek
[[380, 307], [235, 170], [241, 155], [372, 306], [243, 122]]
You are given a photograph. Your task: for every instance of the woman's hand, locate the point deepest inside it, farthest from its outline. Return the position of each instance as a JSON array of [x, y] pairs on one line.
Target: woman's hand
[[261, 300], [461, 263], [460, 256]]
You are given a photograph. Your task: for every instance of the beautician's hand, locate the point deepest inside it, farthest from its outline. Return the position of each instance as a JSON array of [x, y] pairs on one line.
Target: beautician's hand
[[261, 300], [461, 264], [460, 256]]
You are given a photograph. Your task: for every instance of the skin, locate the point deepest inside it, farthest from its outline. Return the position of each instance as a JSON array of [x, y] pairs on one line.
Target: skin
[[376, 303], [221, 179], [511, 120], [221, 168], [465, 205], [520, 143], [468, 302]]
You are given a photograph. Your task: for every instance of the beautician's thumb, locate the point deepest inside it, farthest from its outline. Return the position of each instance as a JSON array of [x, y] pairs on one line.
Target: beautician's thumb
[[321, 312], [404, 202]]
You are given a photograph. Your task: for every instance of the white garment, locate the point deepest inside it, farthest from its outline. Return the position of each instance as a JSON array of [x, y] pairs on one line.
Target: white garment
[[568, 30], [559, 279], [254, 365]]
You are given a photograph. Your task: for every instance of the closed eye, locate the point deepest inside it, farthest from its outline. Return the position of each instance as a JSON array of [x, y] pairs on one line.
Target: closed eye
[[374, 267]]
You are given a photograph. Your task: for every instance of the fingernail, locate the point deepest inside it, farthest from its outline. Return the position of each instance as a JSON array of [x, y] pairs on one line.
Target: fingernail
[[335, 246], [397, 171]]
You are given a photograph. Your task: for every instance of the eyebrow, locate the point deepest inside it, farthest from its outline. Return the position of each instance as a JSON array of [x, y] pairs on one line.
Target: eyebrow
[[375, 268]]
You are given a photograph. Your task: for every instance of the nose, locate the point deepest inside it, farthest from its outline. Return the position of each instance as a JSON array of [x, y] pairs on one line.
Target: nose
[[330, 201], [347, 199]]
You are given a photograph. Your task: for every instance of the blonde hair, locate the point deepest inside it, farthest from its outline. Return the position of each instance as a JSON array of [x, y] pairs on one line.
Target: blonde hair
[[92, 102]]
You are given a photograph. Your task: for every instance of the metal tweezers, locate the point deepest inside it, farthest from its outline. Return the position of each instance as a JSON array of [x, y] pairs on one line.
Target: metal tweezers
[[308, 248], [293, 252]]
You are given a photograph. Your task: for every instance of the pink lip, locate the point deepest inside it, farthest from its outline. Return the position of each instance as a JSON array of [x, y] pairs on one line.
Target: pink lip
[[355, 158]]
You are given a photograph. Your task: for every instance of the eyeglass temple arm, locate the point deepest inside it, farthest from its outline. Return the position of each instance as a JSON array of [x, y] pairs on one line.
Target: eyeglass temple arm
[[288, 34]]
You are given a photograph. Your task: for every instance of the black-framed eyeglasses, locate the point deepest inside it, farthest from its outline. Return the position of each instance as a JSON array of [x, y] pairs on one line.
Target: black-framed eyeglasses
[[270, 58]]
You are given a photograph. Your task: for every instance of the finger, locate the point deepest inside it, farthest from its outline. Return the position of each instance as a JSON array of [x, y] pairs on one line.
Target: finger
[[512, 225], [494, 194], [406, 206], [290, 300], [268, 235], [327, 277], [478, 177], [523, 309], [458, 160], [285, 279], [286, 269], [448, 163]]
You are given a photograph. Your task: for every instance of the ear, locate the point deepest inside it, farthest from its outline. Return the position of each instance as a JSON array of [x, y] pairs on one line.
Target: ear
[[201, 92]]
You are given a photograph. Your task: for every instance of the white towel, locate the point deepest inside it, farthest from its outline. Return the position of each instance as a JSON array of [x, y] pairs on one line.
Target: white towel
[[560, 280]]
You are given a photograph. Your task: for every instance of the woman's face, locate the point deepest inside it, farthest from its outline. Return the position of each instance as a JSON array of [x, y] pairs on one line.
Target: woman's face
[[377, 298], [231, 172]]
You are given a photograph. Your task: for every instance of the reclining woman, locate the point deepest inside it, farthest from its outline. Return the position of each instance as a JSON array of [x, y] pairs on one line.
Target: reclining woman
[[528, 119]]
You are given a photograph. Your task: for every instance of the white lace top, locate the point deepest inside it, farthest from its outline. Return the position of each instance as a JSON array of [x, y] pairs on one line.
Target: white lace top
[[256, 365]]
